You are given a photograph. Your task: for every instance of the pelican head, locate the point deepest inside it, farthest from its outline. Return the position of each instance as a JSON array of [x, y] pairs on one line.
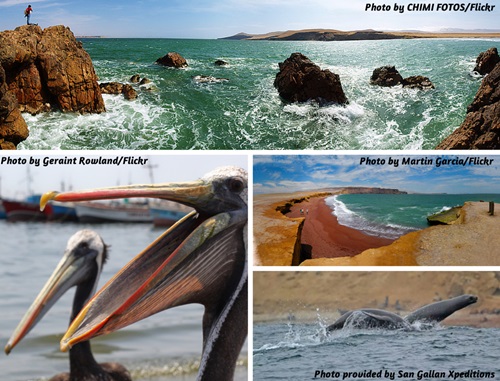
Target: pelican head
[[200, 259], [81, 264]]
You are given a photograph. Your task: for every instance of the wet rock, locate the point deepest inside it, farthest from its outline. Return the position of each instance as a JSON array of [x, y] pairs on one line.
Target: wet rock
[[418, 82], [300, 80], [111, 87], [144, 81], [172, 59], [486, 61], [221, 63], [446, 217], [386, 76], [481, 127], [135, 78], [117, 88], [129, 92]]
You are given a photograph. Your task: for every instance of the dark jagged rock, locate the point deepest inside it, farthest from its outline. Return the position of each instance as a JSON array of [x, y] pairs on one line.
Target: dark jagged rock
[[300, 80], [129, 92], [172, 59], [386, 76], [481, 127], [111, 87], [44, 70], [117, 88], [13, 128], [144, 81], [418, 82], [221, 63], [486, 61], [135, 78]]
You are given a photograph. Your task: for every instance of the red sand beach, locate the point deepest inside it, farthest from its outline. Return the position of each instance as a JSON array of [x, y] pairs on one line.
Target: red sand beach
[[326, 236]]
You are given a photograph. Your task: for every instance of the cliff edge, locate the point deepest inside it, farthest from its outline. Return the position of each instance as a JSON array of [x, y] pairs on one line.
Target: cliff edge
[[472, 240], [43, 70]]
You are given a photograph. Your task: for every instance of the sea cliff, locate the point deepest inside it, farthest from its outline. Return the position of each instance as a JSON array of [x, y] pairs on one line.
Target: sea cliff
[[43, 70], [279, 222], [473, 240]]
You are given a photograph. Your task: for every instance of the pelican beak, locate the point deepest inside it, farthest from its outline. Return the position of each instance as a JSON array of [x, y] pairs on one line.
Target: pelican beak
[[190, 263], [194, 194], [70, 270]]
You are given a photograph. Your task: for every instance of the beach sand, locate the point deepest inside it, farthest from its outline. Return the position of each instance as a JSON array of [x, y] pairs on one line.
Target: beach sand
[[324, 237]]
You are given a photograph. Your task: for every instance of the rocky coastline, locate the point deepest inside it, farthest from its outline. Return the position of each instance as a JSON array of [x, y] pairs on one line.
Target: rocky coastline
[[481, 127], [472, 240], [46, 70], [280, 220]]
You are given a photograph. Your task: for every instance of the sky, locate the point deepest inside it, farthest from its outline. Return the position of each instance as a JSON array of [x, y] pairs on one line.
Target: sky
[[286, 174], [166, 168], [215, 19]]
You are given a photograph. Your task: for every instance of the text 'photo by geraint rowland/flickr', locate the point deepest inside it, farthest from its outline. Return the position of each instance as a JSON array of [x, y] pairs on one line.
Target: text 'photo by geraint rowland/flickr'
[[333, 76]]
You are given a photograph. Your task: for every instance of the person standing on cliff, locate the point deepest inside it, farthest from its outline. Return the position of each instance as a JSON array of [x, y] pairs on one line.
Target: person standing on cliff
[[27, 14]]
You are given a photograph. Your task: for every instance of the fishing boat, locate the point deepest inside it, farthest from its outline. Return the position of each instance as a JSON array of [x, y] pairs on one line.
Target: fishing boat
[[166, 213], [3, 215], [93, 212], [27, 210]]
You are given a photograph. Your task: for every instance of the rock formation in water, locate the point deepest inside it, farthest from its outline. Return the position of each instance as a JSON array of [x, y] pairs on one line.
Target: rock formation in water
[[481, 127], [388, 76], [221, 63], [300, 80], [172, 59], [418, 82], [446, 217], [45, 70], [486, 61], [118, 88]]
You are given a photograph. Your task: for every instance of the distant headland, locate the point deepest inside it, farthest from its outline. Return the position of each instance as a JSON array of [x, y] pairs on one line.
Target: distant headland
[[366, 34]]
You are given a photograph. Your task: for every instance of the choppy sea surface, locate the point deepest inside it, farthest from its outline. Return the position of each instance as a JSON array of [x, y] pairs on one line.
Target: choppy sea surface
[[391, 216], [164, 347], [175, 111], [302, 351]]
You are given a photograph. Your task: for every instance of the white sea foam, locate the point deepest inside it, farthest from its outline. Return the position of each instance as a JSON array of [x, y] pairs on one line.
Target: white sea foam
[[347, 217]]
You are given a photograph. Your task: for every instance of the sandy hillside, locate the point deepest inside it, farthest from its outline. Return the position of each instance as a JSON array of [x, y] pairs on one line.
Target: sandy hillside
[[304, 294]]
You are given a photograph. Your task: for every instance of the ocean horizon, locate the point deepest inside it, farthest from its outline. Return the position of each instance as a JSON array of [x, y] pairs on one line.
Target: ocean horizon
[[238, 108]]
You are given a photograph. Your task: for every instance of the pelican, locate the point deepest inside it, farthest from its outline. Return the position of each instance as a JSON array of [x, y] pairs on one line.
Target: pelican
[[80, 266], [201, 259]]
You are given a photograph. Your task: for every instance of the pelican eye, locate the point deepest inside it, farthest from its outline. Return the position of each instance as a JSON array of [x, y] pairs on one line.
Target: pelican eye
[[236, 185]]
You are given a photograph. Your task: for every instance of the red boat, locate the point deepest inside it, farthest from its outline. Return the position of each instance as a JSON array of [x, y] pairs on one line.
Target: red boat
[[24, 211]]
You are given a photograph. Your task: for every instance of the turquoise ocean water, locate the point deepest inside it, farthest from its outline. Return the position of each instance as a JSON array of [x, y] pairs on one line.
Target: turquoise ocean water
[[391, 216], [245, 112]]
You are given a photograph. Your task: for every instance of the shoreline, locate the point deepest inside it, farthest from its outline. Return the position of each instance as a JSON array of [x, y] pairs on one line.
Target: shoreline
[[324, 237]]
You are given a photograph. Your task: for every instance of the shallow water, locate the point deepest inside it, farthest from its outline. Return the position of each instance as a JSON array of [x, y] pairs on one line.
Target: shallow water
[[296, 352], [391, 216], [166, 346], [246, 112]]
